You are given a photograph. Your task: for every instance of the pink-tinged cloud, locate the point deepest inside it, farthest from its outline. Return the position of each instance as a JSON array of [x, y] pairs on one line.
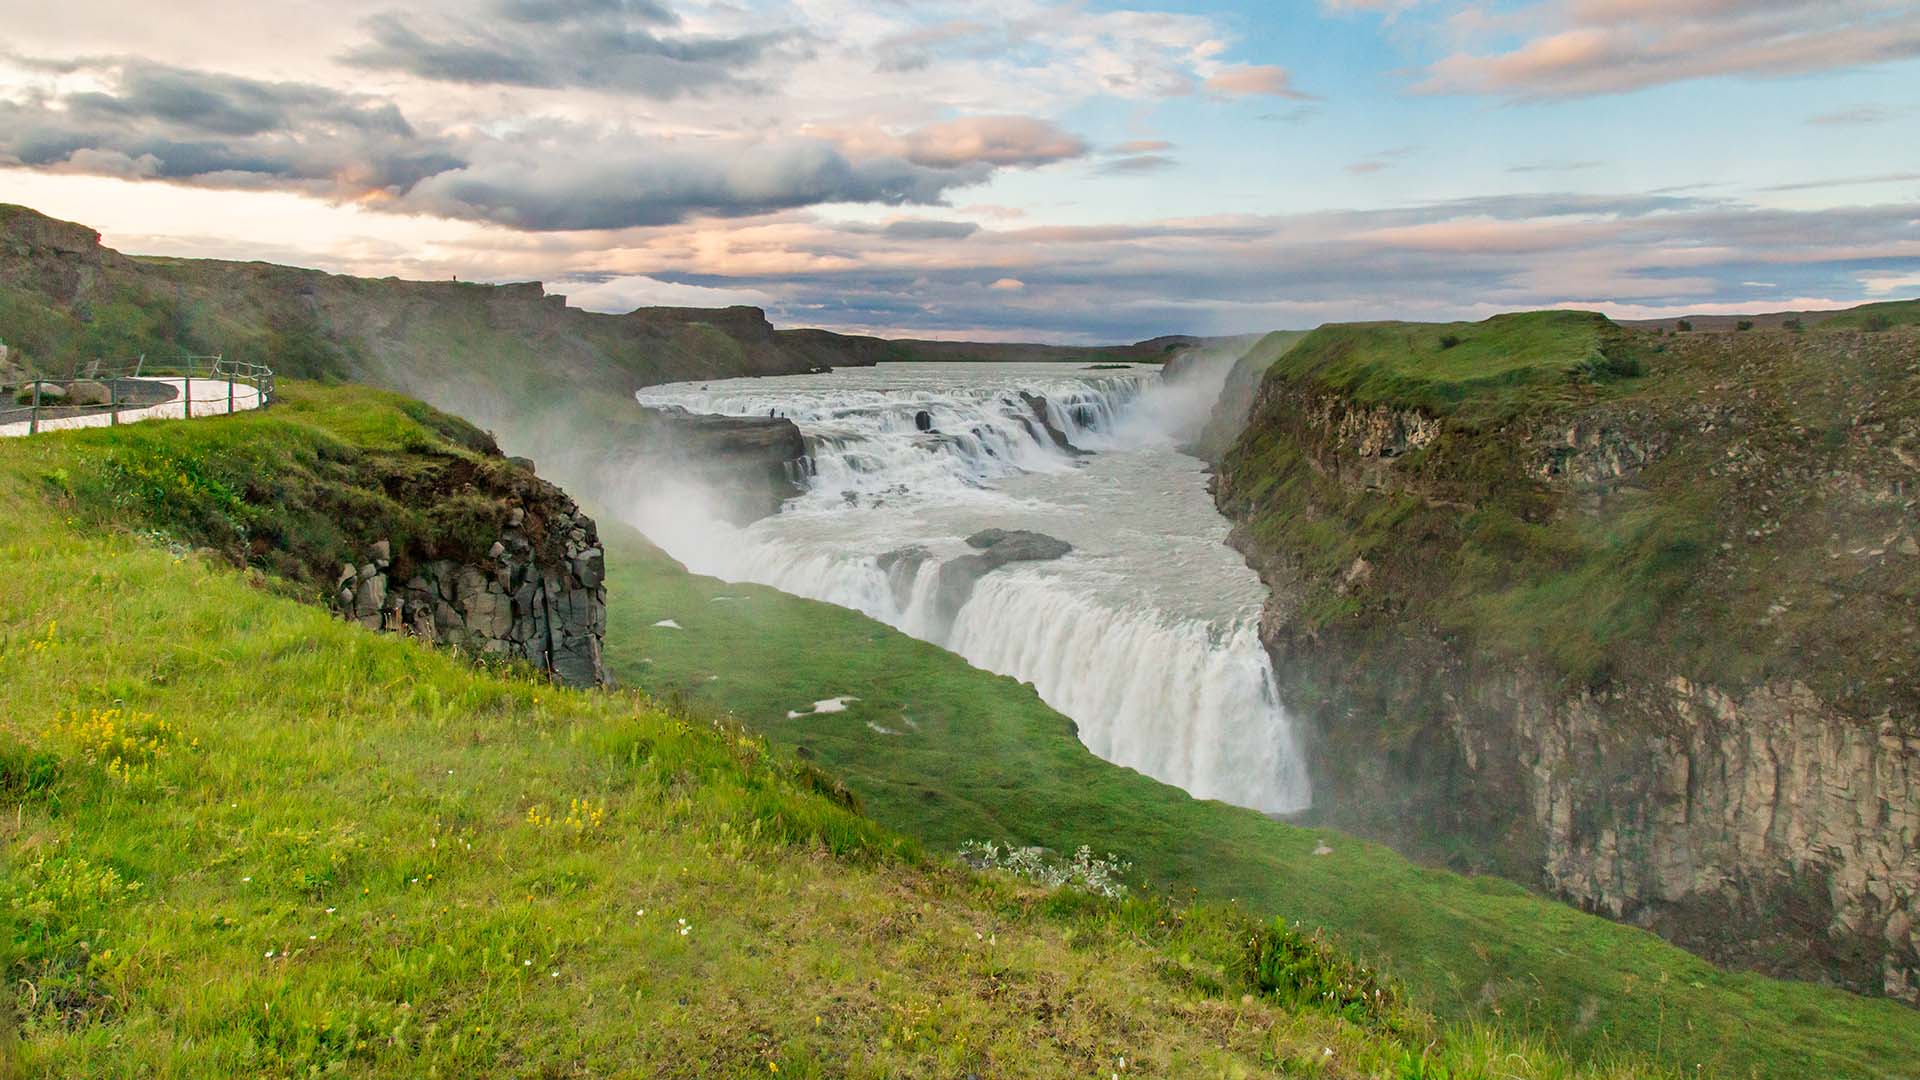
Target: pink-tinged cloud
[[1251, 80], [1589, 47], [991, 140], [1479, 236], [1008, 284], [1141, 146]]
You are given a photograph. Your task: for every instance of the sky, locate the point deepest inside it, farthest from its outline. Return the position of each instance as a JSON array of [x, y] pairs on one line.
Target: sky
[[1060, 170]]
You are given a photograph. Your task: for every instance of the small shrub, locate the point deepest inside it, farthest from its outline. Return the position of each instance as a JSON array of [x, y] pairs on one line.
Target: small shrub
[[1607, 364], [1290, 967], [1795, 325], [1684, 327], [1743, 324], [1084, 872], [1877, 322], [1448, 341]]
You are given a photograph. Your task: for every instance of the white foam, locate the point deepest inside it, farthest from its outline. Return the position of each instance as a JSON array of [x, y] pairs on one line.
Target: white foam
[[1145, 636]]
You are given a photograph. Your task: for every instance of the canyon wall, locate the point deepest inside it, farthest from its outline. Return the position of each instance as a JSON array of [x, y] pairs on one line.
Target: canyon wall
[[1636, 625]]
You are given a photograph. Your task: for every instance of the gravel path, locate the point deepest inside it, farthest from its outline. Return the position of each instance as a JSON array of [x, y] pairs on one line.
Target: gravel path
[[209, 399]]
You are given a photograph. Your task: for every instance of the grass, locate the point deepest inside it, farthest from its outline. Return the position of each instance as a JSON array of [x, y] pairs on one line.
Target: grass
[[1483, 369], [1874, 317], [238, 837], [304, 487], [968, 755], [1720, 502]]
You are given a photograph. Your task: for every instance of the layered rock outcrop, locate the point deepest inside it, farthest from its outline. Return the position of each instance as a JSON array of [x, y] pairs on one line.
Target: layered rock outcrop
[[539, 595], [1734, 761], [752, 464]]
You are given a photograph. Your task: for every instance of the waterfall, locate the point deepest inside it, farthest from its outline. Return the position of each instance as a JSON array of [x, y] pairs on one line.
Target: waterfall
[[1144, 635]]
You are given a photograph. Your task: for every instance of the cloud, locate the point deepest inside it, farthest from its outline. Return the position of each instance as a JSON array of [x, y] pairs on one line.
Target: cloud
[[1576, 48], [1247, 81], [1381, 161], [927, 229], [1140, 146], [557, 11], [1469, 258], [593, 44], [1458, 259], [1858, 116], [914, 50], [1344, 6], [221, 131], [1882, 284], [1554, 166], [1137, 165], [624, 293], [1847, 181], [991, 140], [171, 123], [576, 180], [1007, 284]]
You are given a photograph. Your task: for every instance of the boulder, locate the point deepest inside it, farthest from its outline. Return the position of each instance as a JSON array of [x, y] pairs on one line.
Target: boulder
[[923, 420], [997, 547], [50, 394], [1038, 406], [88, 392], [1018, 545]]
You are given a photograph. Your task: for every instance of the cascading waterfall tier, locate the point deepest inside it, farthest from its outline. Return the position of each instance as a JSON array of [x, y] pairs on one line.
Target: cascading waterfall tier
[[1144, 635]]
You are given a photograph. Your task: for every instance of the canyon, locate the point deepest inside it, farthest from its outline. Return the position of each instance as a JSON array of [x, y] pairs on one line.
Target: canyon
[[1618, 612]]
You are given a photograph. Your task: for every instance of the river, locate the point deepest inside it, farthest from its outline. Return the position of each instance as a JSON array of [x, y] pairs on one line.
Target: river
[[1145, 634]]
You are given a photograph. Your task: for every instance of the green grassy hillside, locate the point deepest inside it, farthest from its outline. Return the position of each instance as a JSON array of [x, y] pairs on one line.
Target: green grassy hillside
[[950, 754], [242, 838]]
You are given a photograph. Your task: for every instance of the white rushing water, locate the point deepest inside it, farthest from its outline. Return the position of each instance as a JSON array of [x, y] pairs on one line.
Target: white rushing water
[[1144, 634]]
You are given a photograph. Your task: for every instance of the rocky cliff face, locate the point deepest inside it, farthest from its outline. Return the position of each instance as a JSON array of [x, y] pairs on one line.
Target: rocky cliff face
[[1735, 762], [539, 595]]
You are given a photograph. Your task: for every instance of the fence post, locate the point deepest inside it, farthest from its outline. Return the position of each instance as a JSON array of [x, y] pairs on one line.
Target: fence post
[[33, 418], [187, 403], [113, 402], [229, 393]]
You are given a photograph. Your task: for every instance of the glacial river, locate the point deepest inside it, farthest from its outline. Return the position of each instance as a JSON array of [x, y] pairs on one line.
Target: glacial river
[[1144, 634]]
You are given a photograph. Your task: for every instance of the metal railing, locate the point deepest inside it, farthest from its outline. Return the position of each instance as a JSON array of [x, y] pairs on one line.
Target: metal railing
[[124, 381]]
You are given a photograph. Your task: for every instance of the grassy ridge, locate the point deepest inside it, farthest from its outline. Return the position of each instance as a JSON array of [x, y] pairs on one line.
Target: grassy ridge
[[1713, 498], [1484, 368], [964, 755], [243, 838]]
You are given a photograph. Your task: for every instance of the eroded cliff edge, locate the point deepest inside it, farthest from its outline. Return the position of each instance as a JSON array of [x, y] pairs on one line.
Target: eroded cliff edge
[[1631, 616]]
